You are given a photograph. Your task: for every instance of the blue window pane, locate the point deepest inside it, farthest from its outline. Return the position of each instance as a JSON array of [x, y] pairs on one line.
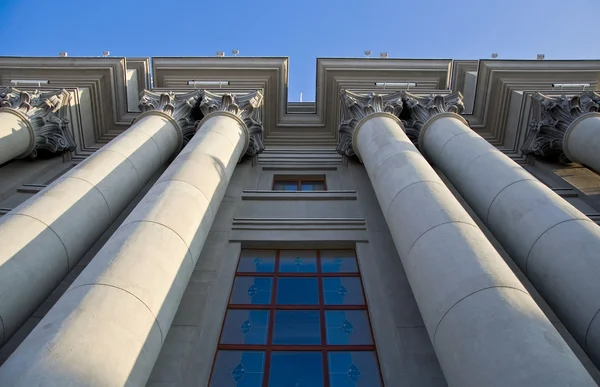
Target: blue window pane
[[238, 369], [257, 261], [302, 327], [298, 261], [343, 291], [348, 327], [286, 186], [252, 290], [353, 369], [297, 291], [297, 369], [338, 261], [312, 186], [245, 327]]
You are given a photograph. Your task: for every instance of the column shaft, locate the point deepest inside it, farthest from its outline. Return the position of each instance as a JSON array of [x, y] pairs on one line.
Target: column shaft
[[555, 245], [43, 239], [108, 328], [485, 327], [582, 141], [16, 135]]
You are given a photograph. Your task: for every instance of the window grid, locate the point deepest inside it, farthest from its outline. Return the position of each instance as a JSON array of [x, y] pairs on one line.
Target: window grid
[[324, 347], [300, 180]]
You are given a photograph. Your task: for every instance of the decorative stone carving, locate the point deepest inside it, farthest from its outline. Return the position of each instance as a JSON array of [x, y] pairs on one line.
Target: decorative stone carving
[[178, 106], [245, 106], [52, 132], [355, 107], [422, 108], [551, 117]]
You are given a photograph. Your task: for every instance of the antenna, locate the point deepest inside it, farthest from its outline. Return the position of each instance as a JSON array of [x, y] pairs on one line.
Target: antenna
[[300, 96]]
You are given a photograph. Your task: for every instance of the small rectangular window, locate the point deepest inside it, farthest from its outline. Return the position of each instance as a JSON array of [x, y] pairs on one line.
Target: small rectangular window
[[299, 183], [297, 318]]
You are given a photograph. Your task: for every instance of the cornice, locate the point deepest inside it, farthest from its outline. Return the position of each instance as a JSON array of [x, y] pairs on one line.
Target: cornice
[[496, 79], [499, 104], [96, 82]]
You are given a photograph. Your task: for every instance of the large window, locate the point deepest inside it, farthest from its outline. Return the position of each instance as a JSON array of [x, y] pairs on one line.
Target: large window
[[296, 183], [296, 318]]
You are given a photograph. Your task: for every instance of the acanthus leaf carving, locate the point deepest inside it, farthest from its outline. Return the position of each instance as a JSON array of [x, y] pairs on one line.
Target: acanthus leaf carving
[[178, 106], [422, 108], [51, 130], [245, 106], [355, 107], [550, 119]]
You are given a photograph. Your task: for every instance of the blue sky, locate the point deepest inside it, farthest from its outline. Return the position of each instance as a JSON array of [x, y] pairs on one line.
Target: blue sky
[[303, 30]]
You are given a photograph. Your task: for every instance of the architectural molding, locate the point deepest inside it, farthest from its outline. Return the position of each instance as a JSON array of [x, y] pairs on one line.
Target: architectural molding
[[355, 107], [551, 117], [299, 195], [51, 131], [422, 108], [245, 106], [279, 224]]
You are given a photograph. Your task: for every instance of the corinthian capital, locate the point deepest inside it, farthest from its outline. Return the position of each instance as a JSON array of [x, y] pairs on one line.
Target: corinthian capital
[[422, 108], [355, 107], [51, 131], [551, 117], [246, 106], [178, 106]]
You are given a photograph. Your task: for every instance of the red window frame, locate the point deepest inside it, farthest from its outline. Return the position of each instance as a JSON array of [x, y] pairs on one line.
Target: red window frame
[[324, 348], [298, 180]]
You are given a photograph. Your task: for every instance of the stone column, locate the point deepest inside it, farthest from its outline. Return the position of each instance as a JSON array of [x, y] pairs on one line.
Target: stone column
[[566, 127], [29, 121], [485, 328], [45, 237], [109, 326], [554, 244]]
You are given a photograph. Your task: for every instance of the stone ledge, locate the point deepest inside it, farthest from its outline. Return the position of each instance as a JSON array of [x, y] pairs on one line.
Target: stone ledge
[[299, 195], [299, 224]]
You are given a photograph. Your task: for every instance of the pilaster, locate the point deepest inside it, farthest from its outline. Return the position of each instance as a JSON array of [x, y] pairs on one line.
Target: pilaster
[[356, 107], [552, 116], [41, 112]]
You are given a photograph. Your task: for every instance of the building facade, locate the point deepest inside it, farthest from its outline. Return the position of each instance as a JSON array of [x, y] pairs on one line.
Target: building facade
[[177, 222]]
